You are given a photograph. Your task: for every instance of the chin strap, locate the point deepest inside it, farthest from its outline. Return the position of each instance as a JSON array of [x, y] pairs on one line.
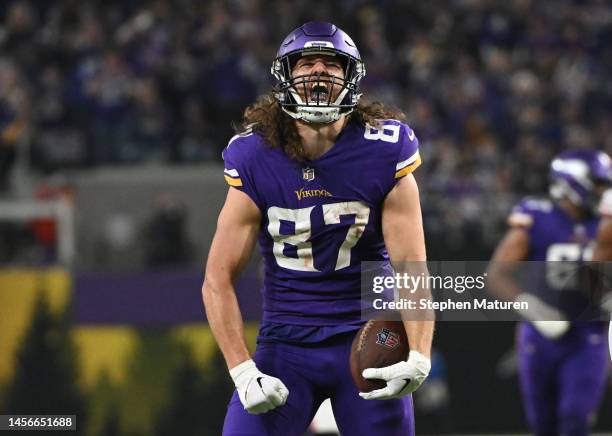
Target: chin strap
[[321, 115]]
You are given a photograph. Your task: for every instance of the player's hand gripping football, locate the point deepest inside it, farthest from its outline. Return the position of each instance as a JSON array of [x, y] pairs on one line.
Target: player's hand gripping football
[[258, 392], [402, 378]]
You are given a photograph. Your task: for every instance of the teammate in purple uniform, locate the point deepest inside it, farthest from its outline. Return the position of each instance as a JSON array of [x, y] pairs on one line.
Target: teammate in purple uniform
[[562, 364], [323, 183]]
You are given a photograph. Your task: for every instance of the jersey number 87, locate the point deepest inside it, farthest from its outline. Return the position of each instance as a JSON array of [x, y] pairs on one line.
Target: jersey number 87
[[301, 238]]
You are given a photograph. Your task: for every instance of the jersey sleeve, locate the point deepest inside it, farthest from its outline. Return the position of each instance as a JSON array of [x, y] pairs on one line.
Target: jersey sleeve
[[408, 158], [238, 166], [524, 214]]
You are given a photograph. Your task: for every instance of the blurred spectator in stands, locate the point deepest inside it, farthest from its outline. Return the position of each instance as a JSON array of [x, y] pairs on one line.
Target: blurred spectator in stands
[[15, 118], [195, 142], [107, 87], [58, 141], [166, 238], [148, 125], [19, 33]]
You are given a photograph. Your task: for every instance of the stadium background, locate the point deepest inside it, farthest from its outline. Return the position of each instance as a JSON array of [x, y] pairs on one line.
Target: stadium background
[[119, 109]]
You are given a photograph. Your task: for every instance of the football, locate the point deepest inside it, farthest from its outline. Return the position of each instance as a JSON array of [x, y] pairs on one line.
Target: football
[[377, 344]]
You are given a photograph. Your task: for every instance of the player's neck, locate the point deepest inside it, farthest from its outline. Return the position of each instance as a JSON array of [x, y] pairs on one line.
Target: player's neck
[[574, 212], [317, 139]]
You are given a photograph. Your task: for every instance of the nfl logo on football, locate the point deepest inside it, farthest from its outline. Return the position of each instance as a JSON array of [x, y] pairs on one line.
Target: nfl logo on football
[[387, 338], [308, 174]]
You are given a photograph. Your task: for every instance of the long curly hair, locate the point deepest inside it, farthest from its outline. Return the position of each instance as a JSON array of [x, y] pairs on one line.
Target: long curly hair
[[267, 118]]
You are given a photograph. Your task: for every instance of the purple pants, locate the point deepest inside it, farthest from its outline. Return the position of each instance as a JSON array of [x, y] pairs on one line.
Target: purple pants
[[313, 373], [562, 381]]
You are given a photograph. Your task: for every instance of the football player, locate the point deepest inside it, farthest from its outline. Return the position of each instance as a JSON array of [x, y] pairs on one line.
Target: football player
[[562, 364], [323, 183]]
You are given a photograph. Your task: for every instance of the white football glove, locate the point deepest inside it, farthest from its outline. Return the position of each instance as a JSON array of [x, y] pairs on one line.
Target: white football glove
[[258, 392], [402, 378], [547, 320], [551, 329]]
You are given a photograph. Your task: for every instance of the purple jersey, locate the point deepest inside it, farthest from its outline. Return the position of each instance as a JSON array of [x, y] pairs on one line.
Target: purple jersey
[[558, 240], [560, 397], [320, 218]]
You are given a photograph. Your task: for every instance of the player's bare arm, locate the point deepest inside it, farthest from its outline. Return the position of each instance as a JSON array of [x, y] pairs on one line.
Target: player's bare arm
[[513, 248], [603, 246], [237, 230], [603, 242], [405, 241]]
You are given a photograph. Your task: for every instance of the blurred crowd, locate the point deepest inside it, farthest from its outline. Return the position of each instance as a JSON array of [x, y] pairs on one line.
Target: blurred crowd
[[493, 89]]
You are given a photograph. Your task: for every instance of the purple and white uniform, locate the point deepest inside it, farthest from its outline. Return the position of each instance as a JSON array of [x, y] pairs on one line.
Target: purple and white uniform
[[560, 396], [320, 220]]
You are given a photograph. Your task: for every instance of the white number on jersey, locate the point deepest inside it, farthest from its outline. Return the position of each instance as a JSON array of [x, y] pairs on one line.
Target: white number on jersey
[[331, 215], [388, 133], [301, 218], [300, 239], [562, 266]]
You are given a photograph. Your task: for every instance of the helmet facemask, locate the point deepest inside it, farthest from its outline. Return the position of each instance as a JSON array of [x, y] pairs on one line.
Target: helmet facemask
[[317, 98]]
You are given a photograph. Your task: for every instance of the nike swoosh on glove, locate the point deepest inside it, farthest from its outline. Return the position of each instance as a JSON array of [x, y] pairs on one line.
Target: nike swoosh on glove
[[258, 392], [402, 378]]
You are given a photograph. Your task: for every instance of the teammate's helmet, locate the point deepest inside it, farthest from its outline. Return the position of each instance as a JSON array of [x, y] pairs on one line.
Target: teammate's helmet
[[578, 175], [322, 39]]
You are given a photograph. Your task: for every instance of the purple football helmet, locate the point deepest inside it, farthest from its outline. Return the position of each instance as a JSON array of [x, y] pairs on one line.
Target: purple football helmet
[[577, 176], [317, 38]]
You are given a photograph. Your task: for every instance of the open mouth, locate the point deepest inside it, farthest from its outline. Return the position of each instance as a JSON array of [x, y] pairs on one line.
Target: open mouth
[[319, 93]]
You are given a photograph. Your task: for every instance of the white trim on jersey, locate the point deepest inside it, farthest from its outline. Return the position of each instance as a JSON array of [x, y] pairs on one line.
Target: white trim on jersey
[[247, 132], [520, 219], [408, 161], [233, 173]]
